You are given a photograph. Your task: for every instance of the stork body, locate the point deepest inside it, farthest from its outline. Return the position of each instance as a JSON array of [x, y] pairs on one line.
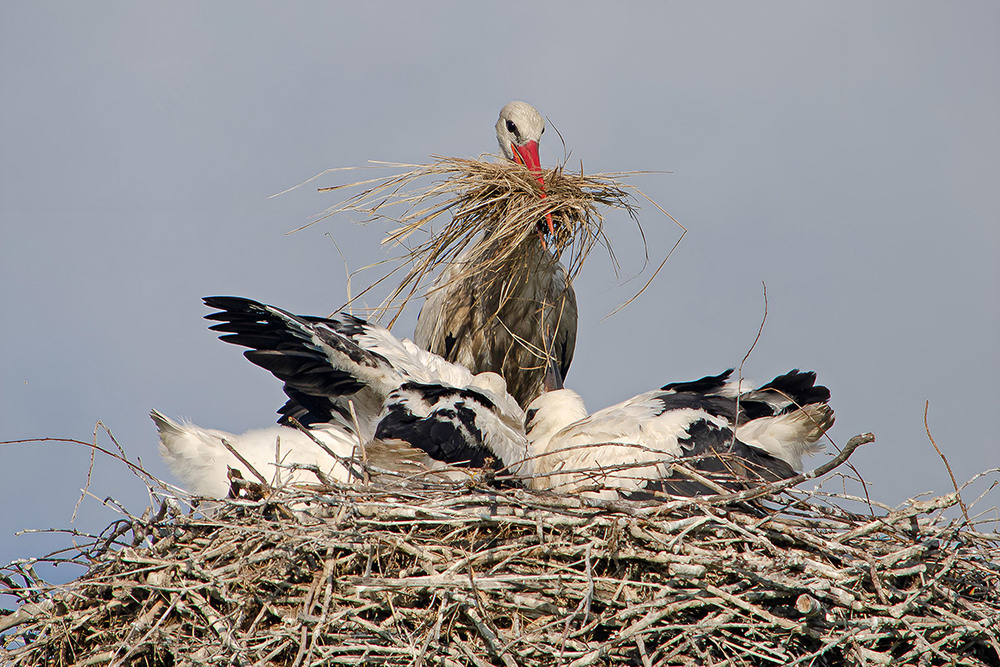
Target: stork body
[[198, 457], [493, 320], [351, 384], [485, 327], [438, 412], [726, 434]]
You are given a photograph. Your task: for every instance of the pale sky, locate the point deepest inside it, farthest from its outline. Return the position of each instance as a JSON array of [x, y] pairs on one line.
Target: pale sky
[[844, 154]]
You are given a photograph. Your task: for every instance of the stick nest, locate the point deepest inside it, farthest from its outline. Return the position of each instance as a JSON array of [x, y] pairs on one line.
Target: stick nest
[[467, 574], [493, 209]]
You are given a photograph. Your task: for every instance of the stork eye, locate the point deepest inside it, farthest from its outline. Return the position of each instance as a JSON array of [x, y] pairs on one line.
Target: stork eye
[[511, 127]]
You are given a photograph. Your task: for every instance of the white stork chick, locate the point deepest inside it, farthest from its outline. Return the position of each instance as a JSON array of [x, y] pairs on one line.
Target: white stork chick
[[348, 381], [493, 320], [198, 457], [725, 434]]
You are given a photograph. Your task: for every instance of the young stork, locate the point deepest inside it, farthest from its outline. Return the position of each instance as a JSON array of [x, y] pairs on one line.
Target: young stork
[[350, 383], [416, 405], [492, 320], [198, 457], [726, 433]]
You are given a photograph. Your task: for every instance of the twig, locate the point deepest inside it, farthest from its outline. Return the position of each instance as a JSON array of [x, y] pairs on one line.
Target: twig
[[249, 466], [775, 487], [954, 484]]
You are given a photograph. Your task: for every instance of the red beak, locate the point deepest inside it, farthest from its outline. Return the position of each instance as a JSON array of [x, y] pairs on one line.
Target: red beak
[[528, 156]]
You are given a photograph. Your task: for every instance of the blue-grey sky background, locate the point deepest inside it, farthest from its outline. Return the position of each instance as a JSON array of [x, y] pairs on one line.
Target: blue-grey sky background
[[845, 154]]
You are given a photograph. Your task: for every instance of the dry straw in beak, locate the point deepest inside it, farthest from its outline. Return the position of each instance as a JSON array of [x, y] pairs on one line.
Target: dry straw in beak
[[497, 202]]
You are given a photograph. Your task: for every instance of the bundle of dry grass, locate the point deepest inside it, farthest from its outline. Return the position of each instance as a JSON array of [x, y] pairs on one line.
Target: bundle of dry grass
[[490, 208], [485, 576]]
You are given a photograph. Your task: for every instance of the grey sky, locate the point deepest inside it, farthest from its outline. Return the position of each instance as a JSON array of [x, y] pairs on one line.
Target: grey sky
[[845, 154]]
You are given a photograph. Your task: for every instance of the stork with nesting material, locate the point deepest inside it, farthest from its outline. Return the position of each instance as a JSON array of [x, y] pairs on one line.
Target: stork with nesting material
[[419, 407], [493, 319]]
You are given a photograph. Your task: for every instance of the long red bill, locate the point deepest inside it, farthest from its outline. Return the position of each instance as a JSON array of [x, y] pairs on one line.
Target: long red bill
[[528, 156]]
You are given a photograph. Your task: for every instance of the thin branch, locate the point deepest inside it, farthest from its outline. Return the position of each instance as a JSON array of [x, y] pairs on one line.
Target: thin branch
[[954, 484]]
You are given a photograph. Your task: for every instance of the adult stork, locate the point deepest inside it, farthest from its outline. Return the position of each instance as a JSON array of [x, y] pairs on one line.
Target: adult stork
[[492, 320], [425, 406]]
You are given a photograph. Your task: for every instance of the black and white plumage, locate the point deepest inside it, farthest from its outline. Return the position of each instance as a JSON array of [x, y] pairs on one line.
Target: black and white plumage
[[725, 433], [351, 383], [333, 366], [493, 320], [415, 405]]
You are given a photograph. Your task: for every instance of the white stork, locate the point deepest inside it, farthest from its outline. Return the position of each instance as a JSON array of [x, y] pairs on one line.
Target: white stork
[[725, 433], [348, 382], [420, 405], [198, 457], [492, 321]]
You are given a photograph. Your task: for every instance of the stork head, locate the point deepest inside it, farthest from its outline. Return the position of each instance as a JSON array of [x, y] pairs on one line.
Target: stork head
[[519, 129], [549, 413]]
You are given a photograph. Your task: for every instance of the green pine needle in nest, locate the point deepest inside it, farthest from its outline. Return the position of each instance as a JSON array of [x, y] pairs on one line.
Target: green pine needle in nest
[[492, 208]]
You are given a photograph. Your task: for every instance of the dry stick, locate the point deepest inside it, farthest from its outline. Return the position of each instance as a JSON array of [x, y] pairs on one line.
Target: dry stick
[[133, 467], [153, 629], [481, 621], [775, 487], [490, 639], [433, 633], [641, 645], [958, 620], [361, 444], [350, 302], [739, 373], [470, 653], [232, 450], [965, 510], [686, 471], [896, 516], [347, 270], [300, 653], [924, 642], [26, 613], [584, 604], [324, 616], [348, 463], [760, 330], [217, 624], [90, 471]]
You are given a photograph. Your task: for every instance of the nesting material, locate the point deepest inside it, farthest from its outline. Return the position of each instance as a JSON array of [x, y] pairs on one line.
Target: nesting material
[[467, 574], [493, 207]]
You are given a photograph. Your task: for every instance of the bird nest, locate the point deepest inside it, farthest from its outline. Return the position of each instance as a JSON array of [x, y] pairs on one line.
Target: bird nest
[[486, 575], [492, 209]]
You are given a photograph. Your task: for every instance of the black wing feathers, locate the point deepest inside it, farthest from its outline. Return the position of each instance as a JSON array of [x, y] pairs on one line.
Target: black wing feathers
[[800, 387], [714, 453], [282, 343], [704, 385]]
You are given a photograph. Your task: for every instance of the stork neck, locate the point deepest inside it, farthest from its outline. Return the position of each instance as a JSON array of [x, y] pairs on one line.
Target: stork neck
[[549, 414]]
